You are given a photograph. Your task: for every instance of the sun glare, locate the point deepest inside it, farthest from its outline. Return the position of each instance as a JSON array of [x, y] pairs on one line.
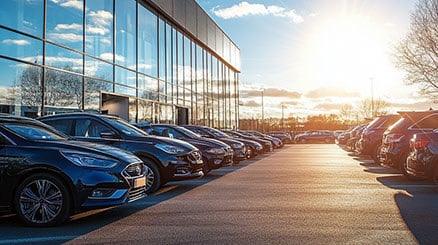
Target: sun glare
[[346, 52]]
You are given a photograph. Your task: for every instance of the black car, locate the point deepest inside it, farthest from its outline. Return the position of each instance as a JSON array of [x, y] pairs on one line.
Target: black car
[[45, 177], [396, 139], [239, 148], [165, 159], [276, 143], [266, 144], [215, 154], [370, 140], [422, 161], [285, 137], [318, 136]]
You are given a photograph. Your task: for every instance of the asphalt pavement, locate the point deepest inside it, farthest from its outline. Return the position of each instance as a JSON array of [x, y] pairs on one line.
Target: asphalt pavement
[[301, 194]]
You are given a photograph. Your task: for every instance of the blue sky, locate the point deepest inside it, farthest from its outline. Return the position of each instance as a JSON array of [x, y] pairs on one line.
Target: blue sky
[[316, 55]]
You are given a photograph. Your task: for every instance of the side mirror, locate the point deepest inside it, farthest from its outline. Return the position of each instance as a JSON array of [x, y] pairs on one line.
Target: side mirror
[[108, 135]]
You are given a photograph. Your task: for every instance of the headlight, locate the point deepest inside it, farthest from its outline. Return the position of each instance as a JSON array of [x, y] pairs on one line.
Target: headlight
[[236, 145], [169, 148], [216, 151], [90, 160]]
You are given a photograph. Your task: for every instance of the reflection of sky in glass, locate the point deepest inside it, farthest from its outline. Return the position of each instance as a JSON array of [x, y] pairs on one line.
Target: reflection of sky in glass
[[99, 32], [20, 47], [99, 69], [147, 46], [63, 58], [28, 17], [64, 22], [126, 32], [125, 77]]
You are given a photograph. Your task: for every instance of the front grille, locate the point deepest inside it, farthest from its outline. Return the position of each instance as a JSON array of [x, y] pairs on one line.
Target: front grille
[[194, 156], [137, 193], [134, 170]]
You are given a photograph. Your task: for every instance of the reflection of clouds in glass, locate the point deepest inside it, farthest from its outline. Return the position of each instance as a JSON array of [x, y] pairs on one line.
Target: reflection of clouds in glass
[[91, 68], [74, 26], [97, 30], [76, 4], [142, 66], [109, 56], [100, 18], [19, 42], [65, 37], [33, 59], [76, 64]]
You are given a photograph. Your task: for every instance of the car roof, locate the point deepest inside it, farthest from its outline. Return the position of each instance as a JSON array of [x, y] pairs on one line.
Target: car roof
[[73, 114]]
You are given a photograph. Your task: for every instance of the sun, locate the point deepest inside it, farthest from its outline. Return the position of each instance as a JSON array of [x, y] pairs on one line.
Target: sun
[[345, 51]]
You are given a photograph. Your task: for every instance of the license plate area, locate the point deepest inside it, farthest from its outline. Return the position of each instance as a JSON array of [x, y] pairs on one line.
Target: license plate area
[[140, 182]]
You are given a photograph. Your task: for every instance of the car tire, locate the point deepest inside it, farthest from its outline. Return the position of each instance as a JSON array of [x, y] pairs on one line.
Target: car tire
[[42, 200], [153, 176], [206, 168], [375, 154]]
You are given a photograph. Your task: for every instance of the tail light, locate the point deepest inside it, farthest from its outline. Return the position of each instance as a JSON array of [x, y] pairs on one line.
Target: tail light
[[419, 143], [394, 137]]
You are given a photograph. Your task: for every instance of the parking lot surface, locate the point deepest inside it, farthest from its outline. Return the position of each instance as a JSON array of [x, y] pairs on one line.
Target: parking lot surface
[[301, 194]]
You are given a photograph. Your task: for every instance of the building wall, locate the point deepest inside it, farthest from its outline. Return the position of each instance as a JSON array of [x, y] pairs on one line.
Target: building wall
[[165, 56]]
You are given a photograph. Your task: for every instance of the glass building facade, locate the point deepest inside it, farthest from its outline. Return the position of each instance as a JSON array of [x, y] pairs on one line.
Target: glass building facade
[[161, 61]]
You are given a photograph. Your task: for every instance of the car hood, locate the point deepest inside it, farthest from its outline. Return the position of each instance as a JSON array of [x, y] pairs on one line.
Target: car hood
[[203, 143], [152, 139], [229, 141], [92, 148]]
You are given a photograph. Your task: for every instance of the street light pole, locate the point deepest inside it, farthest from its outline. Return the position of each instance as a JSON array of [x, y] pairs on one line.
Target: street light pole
[[372, 96], [263, 114]]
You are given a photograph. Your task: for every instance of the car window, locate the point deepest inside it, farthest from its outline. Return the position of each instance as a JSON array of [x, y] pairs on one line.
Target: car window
[[62, 125], [33, 132], [168, 132], [428, 122], [90, 128]]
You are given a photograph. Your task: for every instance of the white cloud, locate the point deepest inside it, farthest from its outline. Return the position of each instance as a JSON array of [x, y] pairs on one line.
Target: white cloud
[[73, 4], [63, 27], [101, 17], [19, 42], [109, 56], [97, 30], [66, 37], [246, 9]]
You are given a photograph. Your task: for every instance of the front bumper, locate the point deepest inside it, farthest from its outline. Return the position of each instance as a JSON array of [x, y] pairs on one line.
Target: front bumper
[[188, 166]]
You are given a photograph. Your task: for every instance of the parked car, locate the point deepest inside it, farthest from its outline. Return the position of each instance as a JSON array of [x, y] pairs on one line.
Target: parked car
[[283, 136], [422, 161], [396, 139], [370, 140], [45, 177], [318, 136], [215, 154], [276, 143], [165, 159], [267, 145], [239, 148], [253, 148], [355, 136]]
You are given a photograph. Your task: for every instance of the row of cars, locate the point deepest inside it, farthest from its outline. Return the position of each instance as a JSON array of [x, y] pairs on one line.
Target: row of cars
[[57, 165], [407, 141]]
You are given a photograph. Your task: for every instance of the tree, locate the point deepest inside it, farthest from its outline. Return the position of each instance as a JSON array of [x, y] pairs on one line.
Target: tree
[[372, 108], [417, 53]]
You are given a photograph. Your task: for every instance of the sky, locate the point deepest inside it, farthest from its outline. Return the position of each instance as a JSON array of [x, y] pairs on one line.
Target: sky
[[314, 56]]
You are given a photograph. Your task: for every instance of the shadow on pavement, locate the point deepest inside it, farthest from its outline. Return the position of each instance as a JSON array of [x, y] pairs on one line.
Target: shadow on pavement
[[12, 232], [418, 205]]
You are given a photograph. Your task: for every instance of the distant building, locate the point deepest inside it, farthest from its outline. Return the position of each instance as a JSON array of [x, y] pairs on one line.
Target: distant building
[[147, 60]]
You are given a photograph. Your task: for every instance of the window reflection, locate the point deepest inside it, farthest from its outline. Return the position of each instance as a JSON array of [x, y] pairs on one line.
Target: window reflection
[[99, 69], [25, 16], [20, 47], [63, 89], [65, 23], [99, 31], [63, 58], [20, 88], [93, 88], [125, 33], [147, 46], [125, 77]]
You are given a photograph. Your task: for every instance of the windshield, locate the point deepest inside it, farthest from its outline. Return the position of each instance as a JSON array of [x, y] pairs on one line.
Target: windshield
[[216, 133], [127, 128], [189, 133], [35, 132]]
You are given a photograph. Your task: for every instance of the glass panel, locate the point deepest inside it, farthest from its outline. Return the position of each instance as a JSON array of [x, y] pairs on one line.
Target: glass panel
[[65, 23], [20, 88], [63, 91], [132, 110], [147, 83], [162, 87], [126, 33], [25, 16], [63, 58], [98, 68], [99, 29], [125, 90], [180, 62], [162, 49], [125, 77], [21, 47], [93, 87], [147, 45], [187, 64], [145, 110]]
